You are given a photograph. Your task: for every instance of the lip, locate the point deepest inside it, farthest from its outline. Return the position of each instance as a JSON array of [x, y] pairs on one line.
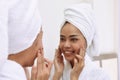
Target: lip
[[68, 52], [67, 55]]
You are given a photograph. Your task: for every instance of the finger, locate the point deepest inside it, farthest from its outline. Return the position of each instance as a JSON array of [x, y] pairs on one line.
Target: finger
[[59, 49], [41, 29], [41, 33], [79, 58], [49, 64], [27, 73], [33, 73], [58, 53], [75, 62], [58, 57], [38, 41], [40, 62], [82, 52], [40, 38], [42, 52], [48, 61]]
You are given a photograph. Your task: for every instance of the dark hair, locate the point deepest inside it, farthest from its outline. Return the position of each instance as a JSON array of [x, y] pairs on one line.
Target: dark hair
[[63, 25]]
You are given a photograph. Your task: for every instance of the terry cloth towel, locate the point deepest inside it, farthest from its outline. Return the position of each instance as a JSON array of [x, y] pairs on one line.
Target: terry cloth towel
[[82, 16]]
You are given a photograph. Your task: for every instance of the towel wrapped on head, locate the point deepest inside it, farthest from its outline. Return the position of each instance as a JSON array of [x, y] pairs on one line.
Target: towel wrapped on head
[[82, 16]]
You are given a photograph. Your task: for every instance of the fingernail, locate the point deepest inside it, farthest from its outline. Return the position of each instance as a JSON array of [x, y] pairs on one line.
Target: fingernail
[[41, 30], [39, 53]]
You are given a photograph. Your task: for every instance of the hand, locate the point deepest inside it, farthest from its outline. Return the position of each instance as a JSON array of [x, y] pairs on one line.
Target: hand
[[42, 71], [26, 57], [78, 65], [59, 65], [27, 73]]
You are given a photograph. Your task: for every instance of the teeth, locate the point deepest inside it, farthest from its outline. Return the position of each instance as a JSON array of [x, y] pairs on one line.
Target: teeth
[[67, 52]]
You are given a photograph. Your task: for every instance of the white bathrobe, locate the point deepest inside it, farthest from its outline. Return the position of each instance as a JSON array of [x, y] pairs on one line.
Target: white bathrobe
[[82, 17], [19, 24], [89, 72]]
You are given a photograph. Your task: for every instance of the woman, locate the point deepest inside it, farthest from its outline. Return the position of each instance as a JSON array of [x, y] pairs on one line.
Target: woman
[[78, 44], [20, 37]]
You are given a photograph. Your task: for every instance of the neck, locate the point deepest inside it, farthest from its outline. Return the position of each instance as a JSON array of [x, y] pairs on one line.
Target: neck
[[72, 63]]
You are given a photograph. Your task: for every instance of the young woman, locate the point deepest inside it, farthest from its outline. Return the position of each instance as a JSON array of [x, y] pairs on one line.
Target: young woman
[[78, 44]]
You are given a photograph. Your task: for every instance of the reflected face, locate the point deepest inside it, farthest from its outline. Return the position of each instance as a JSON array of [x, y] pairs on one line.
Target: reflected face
[[71, 40]]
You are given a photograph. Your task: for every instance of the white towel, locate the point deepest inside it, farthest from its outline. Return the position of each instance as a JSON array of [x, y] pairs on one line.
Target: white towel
[[89, 72], [82, 16], [20, 22]]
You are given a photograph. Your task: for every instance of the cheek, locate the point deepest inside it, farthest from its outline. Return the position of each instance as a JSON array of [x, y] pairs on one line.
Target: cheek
[[61, 46], [78, 47]]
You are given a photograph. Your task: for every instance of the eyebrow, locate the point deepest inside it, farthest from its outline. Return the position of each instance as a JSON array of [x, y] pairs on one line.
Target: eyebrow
[[69, 36]]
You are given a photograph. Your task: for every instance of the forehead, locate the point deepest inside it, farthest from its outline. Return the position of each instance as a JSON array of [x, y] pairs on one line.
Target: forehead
[[69, 29]]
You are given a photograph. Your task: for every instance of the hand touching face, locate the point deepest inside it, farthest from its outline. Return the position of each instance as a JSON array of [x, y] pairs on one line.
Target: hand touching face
[[78, 65], [59, 65], [71, 40], [26, 57]]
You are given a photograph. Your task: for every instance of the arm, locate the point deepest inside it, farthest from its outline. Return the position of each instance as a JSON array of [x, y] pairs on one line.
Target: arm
[[59, 65], [78, 65]]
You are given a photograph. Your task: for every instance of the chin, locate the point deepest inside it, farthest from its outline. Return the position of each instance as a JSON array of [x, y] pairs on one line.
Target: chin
[[69, 58]]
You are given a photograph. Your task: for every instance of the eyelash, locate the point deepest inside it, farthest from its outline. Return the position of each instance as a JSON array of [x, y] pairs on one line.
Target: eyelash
[[62, 39], [72, 39]]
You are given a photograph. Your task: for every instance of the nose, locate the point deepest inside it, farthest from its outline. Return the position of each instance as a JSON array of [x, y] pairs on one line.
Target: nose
[[67, 44]]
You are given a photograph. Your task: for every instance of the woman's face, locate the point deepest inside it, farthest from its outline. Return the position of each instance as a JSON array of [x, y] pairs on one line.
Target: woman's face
[[71, 41]]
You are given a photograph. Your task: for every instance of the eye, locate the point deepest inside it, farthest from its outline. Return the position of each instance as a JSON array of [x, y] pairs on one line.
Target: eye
[[74, 39], [62, 39]]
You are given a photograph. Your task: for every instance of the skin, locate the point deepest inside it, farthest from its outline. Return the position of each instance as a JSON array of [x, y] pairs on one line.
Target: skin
[[72, 46], [43, 68], [59, 65], [26, 57]]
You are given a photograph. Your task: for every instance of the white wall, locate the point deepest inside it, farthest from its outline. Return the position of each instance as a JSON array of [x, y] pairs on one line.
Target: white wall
[[104, 10], [107, 19]]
